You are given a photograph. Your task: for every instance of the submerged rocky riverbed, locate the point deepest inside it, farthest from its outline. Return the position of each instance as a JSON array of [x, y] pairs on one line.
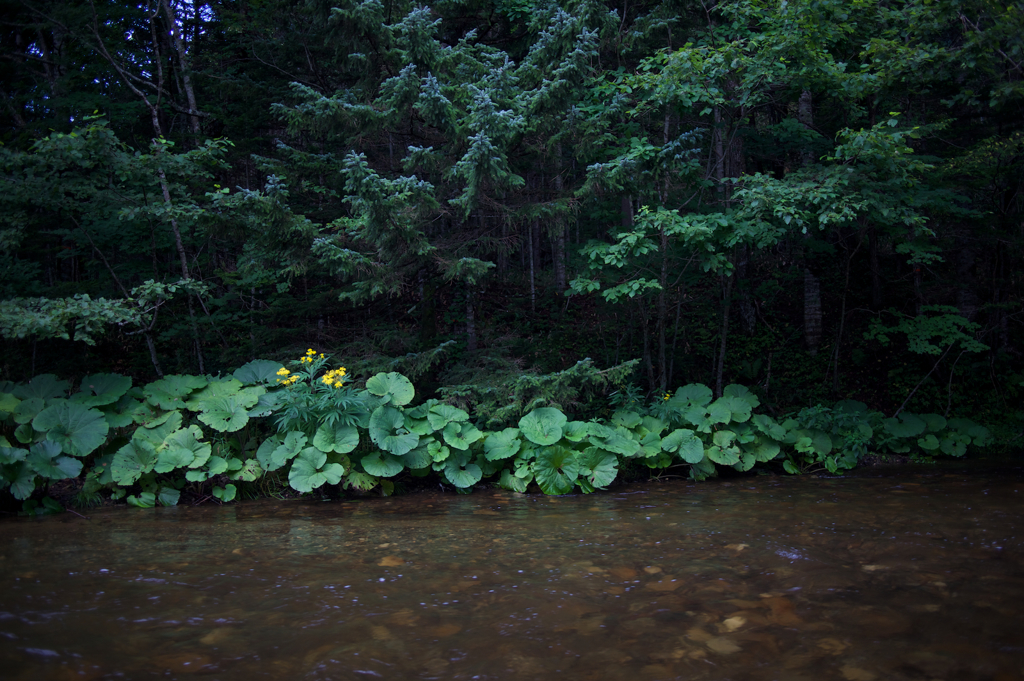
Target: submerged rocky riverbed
[[919, 576]]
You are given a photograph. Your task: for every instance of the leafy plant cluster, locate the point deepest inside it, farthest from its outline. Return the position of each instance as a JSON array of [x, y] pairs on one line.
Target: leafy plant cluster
[[148, 443]]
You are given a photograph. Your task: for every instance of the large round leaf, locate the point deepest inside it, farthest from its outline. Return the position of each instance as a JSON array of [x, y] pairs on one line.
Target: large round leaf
[[461, 435], [598, 467], [907, 425], [169, 392], [44, 387], [78, 429], [287, 450], [742, 392], [45, 459], [693, 394], [723, 457], [226, 414], [394, 387], [685, 443], [100, 389], [502, 444], [543, 426], [619, 442], [462, 476], [183, 448], [131, 461], [258, 371], [440, 415], [382, 465], [626, 419], [556, 470], [310, 470], [336, 438], [387, 432]]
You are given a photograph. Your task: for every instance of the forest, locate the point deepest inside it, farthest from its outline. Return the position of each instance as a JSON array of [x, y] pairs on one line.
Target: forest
[[593, 236]]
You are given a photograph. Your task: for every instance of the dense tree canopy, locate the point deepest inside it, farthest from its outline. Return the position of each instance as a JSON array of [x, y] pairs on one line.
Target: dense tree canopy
[[818, 198]]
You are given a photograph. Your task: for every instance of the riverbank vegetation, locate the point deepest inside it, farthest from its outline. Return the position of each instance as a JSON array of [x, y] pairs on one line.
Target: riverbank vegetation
[[211, 435], [517, 206]]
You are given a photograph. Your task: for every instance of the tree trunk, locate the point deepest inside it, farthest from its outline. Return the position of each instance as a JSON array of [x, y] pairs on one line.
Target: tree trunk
[[726, 304], [812, 288], [530, 229]]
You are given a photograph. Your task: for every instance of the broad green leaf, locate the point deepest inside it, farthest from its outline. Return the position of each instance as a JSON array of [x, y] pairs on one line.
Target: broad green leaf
[[461, 435], [719, 412], [169, 392], [928, 442], [8, 403], [216, 465], [133, 460], [250, 471], [933, 422], [693, 394], [387, 432], [420, 427], [45, 459], [43, 387], [462, 477], [226, 414], [418, 458], [163, 427], [768, 426], [336, 438], [395, 387], [265, 452], [226, 493], [102, 389], [653, 425], [293, 442], [144, 500], [28, 409], [382, 465], [573, 431], [723, 457], [310, 470], [556, 470], [438, 452], [360, 481], [168, 496], [724, 438], [742, 392], [626, 419], [686, 444], [745, 463], [258, 371], [503, 444], [618, 443], [170, 459], [739, 408], [512, 482], [187, 443], [598, 467], [907, 425], [543, 426], [440, 415], [765, 450], [78, 429], [9, 455]]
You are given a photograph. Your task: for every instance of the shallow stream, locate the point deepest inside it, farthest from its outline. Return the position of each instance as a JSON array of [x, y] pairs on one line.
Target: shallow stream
[[788, 579]]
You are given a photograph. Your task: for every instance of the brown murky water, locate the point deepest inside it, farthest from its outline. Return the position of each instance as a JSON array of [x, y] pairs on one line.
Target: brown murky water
[[772, 578]]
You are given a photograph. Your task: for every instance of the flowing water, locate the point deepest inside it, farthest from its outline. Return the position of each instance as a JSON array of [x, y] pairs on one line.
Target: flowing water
[[920, 577]]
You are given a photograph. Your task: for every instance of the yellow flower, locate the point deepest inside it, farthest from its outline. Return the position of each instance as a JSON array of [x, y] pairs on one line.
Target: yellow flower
[[321, 355], [283, 372], [667, 396], [311, 351]]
